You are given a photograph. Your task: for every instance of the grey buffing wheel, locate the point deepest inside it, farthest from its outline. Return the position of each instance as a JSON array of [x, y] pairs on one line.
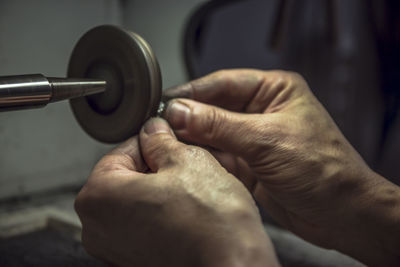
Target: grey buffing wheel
[[128, 65]]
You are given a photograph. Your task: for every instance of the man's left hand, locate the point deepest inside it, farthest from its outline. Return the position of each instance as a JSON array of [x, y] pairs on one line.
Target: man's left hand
[[155, 201]]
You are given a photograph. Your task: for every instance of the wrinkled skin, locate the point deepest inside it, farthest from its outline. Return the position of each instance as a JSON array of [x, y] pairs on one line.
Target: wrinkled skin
[[268, 129], [155, 201]]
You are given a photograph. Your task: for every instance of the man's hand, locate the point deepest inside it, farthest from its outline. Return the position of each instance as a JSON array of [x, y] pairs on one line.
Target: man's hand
[[174, 205], [271, 132]]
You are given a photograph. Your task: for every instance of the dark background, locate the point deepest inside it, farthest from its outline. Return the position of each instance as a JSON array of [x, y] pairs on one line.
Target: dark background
[[348, 51]]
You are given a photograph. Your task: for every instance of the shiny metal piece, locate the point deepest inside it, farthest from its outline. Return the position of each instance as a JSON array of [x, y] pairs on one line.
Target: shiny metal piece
[[25, 91], [35, 91], [69, 88], [161, 109], [133, 94]]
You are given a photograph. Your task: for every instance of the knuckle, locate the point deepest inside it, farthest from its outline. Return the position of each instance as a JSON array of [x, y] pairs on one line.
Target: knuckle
[[80, 205], [291, 82], [212, 122], [113, 162], [295, 75], [86, 198], [163, 145], [209, 122], [221, 73], [168, 153], [238, 205], [225, 78], [288, 76]]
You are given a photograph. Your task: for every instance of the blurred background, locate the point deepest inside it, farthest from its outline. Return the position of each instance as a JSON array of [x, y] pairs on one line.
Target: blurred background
[[348, 51], [46, 149]]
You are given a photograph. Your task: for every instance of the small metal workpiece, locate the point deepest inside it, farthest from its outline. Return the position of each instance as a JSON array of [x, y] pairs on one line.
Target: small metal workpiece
[[161, 109], [35, 91]]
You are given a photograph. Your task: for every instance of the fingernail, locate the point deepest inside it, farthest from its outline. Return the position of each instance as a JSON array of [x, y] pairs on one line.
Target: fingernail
[[156, 125], [177, 114]]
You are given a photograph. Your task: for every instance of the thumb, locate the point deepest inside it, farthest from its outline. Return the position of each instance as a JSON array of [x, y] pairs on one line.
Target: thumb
[[158, 144], [208, 125]]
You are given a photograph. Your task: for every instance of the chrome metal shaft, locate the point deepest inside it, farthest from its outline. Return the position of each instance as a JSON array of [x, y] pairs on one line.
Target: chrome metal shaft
[[34, 91]]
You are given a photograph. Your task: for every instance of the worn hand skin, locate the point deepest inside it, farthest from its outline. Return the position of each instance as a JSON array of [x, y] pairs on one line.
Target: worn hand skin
[[155, 201], [268, 129]]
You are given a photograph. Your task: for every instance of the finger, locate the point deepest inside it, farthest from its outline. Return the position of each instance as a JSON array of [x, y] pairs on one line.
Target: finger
[[242, 90], [125, 157], [111, 175], [159, 146], [230, 89], [227, 131]]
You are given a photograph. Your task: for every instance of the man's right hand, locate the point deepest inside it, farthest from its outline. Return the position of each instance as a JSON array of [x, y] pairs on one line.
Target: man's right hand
[[269, 130]]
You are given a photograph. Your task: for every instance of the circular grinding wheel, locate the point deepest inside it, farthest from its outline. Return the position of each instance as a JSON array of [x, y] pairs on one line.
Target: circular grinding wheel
[[128, 65]]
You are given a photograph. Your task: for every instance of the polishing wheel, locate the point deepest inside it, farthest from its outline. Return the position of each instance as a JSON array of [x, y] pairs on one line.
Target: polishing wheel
[[128, 65]]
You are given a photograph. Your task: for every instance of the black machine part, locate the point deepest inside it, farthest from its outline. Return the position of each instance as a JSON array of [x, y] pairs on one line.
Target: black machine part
[[128, 65]]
